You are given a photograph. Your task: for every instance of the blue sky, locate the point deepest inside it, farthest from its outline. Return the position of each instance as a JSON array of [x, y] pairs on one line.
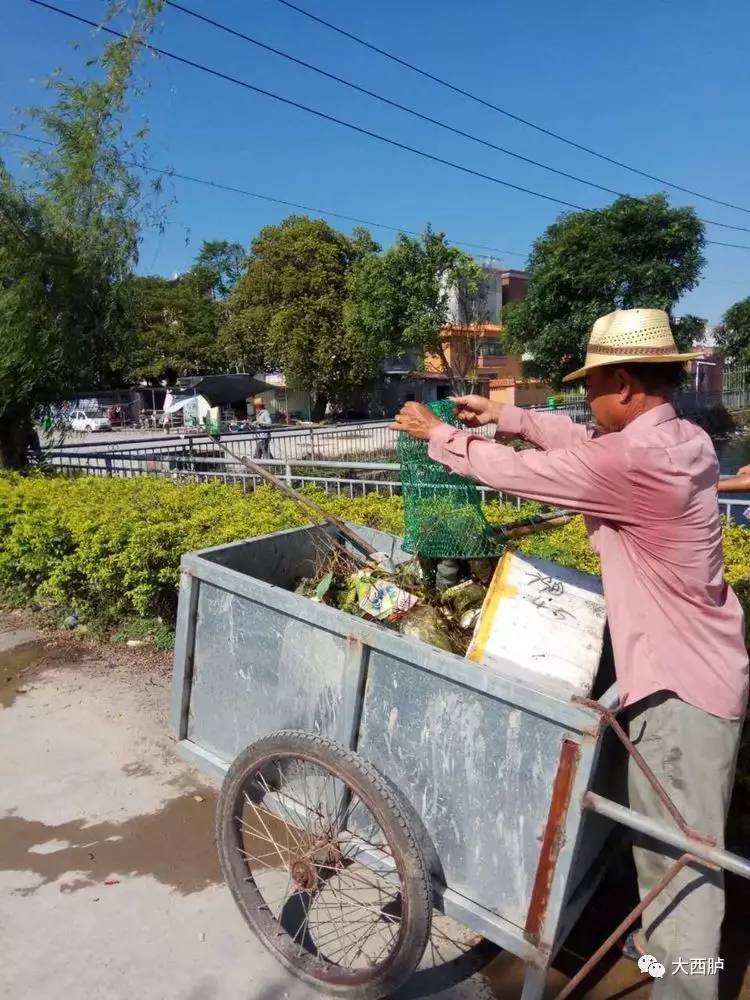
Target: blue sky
[[661, 84]]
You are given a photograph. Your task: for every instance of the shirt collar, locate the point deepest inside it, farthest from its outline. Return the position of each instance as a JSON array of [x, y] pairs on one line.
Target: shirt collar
[[658, 415]]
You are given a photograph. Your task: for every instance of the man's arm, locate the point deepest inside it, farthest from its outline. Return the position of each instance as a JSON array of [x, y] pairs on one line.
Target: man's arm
[[590, 477], [547, 431], [738, 483], [544, 430]]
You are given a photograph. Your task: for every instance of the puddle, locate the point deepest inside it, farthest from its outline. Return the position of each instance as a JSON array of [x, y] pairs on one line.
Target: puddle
[[17, 665], [174, 845]]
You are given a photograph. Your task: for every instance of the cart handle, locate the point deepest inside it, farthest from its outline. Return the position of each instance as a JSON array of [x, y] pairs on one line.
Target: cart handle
[[695, 846], [608, 718], [711, 855]]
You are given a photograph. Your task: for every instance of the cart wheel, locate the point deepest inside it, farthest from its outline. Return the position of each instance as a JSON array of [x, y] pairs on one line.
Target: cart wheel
[[324, 865]]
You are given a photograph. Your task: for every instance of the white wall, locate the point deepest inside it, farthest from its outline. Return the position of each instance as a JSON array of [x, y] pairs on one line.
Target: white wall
[[491, 293]]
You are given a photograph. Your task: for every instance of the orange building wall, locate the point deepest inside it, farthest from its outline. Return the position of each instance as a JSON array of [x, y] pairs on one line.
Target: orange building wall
[[503, 366]]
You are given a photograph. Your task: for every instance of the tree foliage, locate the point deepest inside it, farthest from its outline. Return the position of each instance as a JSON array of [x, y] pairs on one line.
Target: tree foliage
[[733, 333], [68, 241], [286, 310], [175, 322], [401, 300], [218, 266], [688, 330], [634, 253]]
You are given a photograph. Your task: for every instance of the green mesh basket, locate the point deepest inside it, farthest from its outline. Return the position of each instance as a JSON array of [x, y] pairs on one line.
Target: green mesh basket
[[443, 516]]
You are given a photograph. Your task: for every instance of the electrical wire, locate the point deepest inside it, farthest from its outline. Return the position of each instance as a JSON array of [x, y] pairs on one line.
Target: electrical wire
[[418, 114], [331, 118], [313, 111], [508, 114], [207, 182]]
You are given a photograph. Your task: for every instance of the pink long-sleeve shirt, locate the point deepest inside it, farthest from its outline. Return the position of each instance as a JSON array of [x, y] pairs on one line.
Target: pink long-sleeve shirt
[[648, 494]]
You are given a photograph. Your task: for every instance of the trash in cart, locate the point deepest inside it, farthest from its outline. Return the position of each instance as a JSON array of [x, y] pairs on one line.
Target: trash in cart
[[400, 600], [546, 619]]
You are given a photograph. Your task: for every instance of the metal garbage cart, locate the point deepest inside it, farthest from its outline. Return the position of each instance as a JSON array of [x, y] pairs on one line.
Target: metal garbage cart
[[370, 777]]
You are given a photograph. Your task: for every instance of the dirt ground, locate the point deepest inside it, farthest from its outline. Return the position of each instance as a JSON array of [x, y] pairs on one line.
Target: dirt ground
[[109, 883]]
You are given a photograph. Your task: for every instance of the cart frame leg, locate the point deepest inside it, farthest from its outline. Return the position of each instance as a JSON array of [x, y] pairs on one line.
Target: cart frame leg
[[534, 982], [697, 848]]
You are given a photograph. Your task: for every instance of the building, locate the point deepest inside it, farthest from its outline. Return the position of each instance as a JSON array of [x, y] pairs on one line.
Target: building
[[707, 373], [473, 352]]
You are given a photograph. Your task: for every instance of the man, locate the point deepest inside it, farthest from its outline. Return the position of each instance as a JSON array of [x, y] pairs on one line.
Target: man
[[263, 421], [646, 483]]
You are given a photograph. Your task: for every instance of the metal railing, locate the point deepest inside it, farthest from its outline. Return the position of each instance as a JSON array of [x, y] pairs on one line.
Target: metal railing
[[346, 478], [338, 478], [370, 438], [578, 410]]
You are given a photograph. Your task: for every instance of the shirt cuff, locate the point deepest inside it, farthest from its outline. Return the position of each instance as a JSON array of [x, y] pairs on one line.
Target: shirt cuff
[[510, 421], [439, 438]]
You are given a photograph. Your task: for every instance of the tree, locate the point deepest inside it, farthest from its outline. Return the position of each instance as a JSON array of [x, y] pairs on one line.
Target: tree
[[68, 241], [733, 333], [402, 301], [218, 267], [688, 330], [633, 253], [176, 322], [286, 310]]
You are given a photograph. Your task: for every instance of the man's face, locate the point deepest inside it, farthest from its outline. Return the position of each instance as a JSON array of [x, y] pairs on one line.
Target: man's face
[[604, 392]]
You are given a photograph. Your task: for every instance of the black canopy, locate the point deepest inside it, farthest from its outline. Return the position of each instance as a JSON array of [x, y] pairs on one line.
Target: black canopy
[[225, 389]]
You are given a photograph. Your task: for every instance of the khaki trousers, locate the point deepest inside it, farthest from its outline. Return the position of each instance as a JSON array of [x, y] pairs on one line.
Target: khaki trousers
[[693, 754]]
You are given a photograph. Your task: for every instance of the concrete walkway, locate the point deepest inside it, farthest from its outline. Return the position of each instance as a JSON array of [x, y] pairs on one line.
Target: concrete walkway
[[109, 883]]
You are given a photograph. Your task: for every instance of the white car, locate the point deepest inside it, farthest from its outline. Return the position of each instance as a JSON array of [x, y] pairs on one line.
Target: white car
[[81, 421]]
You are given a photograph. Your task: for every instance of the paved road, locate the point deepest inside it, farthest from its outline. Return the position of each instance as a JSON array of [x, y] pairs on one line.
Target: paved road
[[363, 442], [109, 884]]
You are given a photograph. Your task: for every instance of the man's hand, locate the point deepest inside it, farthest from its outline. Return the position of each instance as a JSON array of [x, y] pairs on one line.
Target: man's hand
[[416, 420], [476, 411]]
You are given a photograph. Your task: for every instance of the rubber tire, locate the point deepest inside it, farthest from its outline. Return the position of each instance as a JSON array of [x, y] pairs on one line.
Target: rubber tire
[[374, 790]]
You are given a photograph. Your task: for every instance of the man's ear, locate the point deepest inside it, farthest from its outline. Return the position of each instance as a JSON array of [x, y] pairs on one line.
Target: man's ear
[[622, 385]]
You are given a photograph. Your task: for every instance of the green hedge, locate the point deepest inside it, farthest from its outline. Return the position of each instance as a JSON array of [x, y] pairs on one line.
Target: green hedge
[[113, 546]]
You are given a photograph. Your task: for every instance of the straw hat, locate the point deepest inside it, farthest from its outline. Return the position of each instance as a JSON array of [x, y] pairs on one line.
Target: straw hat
[[628, 335]]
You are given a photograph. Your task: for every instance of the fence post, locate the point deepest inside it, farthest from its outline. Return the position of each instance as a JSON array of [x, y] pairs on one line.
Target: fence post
[[288, 475], [108, 465], [312, 444]]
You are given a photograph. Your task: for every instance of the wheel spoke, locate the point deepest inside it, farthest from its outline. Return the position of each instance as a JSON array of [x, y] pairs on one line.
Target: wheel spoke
[[278, 798], [330, 896]]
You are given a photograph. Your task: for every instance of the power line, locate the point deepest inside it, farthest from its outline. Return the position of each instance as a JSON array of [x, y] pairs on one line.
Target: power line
[[313, 111], [386, 100], [207, 182], [307, 208], [506, 113], [418, 114], [331, 118]]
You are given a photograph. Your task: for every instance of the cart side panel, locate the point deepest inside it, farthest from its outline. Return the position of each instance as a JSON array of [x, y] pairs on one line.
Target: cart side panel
[[257, 670], [280, 559], [477, 770]]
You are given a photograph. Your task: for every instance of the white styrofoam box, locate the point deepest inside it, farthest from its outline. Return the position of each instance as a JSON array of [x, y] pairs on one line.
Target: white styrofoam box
[[543, 624]]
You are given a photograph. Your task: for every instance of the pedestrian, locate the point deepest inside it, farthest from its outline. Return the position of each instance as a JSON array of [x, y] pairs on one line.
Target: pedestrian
[[263, 422], [645, 482]]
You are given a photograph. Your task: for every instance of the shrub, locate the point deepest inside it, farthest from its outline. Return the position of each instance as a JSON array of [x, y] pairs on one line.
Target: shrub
[[112, 547]]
